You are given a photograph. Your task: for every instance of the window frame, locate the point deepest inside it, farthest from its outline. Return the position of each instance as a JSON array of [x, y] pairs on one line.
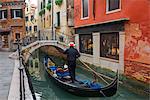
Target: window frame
[[35, 28], [80, 47], [82, 18], [3, 14], [115, 57], [112, 11], [14, 16]]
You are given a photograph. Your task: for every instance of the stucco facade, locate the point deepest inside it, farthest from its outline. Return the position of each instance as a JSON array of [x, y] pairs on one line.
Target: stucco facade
[[133, 33], [31, 17], [62, 22]]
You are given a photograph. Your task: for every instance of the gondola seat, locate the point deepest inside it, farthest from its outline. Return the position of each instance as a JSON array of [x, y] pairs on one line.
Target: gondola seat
[[91, 85]]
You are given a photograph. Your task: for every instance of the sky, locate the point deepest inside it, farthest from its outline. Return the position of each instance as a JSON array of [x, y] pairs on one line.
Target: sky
[[34, 2]]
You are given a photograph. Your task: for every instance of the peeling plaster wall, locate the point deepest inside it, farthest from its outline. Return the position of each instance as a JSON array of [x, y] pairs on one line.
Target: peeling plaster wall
[[137, 40]]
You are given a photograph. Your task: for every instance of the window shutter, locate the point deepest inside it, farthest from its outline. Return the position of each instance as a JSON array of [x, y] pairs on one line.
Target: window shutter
[[5, 14], [0, 14], [12, 13], [21, 13]]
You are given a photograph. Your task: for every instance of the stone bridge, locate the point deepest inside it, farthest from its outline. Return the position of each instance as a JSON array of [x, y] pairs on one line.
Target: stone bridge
[[28, 50]]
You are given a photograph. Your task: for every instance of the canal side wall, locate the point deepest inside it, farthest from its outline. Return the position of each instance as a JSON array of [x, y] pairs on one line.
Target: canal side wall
[[14, 92]]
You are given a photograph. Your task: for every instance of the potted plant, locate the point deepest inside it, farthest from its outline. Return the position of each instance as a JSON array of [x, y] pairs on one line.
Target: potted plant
[[42, 12], [48, 7], [58, 2]]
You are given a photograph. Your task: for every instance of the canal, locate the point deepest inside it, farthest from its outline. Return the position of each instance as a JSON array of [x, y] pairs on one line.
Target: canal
[[47, 90]]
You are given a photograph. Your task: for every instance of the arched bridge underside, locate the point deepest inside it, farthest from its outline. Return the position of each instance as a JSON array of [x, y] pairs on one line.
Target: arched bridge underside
[[28, 50]]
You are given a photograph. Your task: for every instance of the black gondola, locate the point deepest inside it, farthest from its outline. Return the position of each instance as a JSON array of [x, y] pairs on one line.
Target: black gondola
[[79, 89]]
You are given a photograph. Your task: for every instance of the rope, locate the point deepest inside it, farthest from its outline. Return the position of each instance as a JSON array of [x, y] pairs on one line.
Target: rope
[[93, 71]]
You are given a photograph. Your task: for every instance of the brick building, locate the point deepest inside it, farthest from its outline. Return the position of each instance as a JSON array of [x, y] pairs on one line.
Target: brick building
[[115, 34], [12, 22]]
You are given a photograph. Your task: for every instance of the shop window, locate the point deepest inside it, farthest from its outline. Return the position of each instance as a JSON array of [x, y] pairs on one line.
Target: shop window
[[86, 44], [113, 5], [3, 14], [16, 13], [85, 9], [109, 45]]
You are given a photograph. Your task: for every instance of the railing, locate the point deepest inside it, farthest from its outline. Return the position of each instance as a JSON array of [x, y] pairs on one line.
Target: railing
[[22, 87], [21, 71]]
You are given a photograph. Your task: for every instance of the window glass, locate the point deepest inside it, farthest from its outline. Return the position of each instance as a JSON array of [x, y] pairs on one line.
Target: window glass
[[84, 8], [86, 44], [109, 45], [113, 5], [15, 13], [35, 28], [27, 18], [58, 18], [3, 14]]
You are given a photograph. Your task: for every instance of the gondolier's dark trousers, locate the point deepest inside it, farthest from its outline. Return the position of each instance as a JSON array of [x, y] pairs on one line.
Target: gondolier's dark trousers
[[71, 67]]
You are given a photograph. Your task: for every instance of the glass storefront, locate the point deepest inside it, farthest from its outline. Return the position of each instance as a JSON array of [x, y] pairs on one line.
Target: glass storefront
[[86, 43], [109, 45]]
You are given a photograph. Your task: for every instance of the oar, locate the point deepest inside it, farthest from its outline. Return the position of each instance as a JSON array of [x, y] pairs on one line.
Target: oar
[[93, 71]]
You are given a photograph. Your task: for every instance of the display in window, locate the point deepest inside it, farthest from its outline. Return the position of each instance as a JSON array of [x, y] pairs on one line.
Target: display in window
[[109, 45]]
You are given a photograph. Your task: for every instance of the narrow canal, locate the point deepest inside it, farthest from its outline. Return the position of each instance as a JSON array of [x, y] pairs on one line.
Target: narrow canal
[[47, 90]]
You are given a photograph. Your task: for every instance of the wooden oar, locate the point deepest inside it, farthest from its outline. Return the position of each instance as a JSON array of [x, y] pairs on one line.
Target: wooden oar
[[93, 71]]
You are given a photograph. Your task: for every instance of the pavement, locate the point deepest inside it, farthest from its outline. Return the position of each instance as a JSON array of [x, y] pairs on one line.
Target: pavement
[[6, 72]]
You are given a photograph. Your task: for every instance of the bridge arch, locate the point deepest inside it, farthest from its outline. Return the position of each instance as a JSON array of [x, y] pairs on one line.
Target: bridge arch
[[27, 51]]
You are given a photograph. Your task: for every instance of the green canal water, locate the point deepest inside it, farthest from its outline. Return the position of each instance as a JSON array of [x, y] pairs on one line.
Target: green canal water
[[47, 90]]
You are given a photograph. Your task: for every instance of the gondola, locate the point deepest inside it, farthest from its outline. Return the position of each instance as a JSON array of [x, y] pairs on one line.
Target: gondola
[[81, 88]]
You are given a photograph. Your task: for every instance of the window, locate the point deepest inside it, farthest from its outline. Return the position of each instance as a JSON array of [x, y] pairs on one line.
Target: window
[[26, 28], [30, 28], [17, 36], [113, 5], [35, 28], [85, 8], [16, 13], [86, 43], [109, 45], [32, 17], [41, 5], [27, 18], [58, 18], [3, 14]]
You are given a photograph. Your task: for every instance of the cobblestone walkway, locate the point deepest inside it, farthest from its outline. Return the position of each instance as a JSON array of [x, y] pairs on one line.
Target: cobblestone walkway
[[6, 72]]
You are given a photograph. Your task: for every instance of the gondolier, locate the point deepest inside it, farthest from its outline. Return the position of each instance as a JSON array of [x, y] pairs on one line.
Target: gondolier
[[72, 55]]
